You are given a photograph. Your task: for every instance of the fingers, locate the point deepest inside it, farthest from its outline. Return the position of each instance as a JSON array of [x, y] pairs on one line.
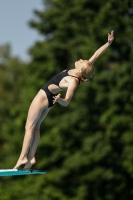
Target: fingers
[[112, 33], [55, 98], [111, 36]]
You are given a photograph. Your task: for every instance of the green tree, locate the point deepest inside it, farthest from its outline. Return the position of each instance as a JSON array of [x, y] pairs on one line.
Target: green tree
[[86, 147], [86, 154], [12, 76]]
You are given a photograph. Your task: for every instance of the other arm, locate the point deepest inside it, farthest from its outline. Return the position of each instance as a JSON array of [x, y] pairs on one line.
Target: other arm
[[103, 48], [69, 94]]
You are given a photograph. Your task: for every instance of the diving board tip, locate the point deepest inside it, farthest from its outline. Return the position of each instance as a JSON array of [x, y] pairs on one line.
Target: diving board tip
[[14, 172]]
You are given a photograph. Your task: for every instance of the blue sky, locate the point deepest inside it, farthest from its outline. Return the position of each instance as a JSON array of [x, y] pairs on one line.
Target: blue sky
[[14, 29]]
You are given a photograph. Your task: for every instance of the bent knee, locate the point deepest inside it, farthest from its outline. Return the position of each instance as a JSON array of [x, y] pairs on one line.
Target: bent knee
[[32, 127], [29, 126]]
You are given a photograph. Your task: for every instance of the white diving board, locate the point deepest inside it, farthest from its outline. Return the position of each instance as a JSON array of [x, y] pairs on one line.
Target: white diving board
[[18, 172]]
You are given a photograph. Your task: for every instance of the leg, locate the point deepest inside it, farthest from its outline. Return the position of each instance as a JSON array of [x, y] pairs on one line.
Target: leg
[[34, 144], [38, 105]]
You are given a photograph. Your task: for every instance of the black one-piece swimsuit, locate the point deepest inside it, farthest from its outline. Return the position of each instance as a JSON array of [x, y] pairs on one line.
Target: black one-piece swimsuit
[[54, 80]]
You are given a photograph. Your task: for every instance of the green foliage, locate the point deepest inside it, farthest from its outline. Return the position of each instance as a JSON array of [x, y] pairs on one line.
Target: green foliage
[[85, 148], [12, 73]]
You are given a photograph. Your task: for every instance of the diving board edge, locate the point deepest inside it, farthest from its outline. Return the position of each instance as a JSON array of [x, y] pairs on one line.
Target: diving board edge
[[17, 172]]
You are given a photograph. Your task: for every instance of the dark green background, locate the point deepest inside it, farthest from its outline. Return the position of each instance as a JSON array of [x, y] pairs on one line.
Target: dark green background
[[87, 147]]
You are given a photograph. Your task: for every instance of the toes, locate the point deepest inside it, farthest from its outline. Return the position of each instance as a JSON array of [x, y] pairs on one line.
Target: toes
[[19, 163]]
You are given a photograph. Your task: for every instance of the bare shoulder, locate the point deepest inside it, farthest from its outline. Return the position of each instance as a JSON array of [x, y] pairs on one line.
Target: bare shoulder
[[72, 80]]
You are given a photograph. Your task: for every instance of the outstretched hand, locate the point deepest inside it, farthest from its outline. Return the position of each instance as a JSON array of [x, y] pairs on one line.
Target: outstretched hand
[[111, 37], [56, 98]]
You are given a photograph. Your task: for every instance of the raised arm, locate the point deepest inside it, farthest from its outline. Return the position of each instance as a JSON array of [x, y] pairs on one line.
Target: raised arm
[[103, 48]]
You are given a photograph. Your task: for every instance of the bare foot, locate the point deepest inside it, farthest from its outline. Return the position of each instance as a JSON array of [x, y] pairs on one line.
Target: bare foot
[[29, 164], [21, 162]]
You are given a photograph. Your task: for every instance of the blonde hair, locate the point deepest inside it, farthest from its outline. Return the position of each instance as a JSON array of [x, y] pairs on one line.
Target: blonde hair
[[87, 71]]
